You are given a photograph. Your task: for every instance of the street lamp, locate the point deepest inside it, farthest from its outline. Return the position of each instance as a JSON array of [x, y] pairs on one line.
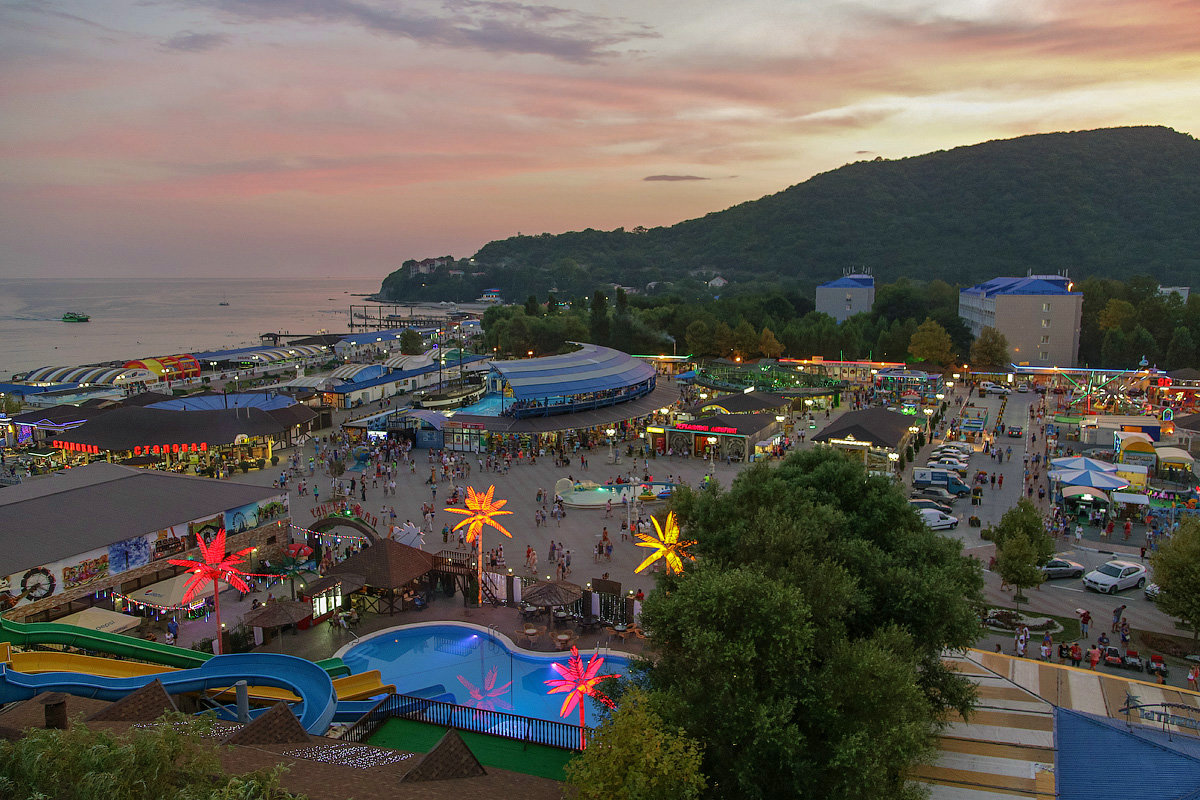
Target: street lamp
[[929, 420], [612, 456], [895, 459]]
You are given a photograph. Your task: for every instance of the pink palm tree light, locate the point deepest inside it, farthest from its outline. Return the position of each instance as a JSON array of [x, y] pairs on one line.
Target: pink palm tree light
[[216, 566], [579, 681]]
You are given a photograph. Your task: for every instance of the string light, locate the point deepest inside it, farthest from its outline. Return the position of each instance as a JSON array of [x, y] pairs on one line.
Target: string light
[[329, 535], [348, 755]]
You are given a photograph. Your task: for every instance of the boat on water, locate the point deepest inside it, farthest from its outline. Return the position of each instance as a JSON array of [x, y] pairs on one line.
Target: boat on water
[[223, 303], [75, 316]]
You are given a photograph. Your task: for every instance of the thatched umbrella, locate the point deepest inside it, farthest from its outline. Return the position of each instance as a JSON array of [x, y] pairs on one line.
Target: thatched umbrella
[[548, 594], [276, 614]]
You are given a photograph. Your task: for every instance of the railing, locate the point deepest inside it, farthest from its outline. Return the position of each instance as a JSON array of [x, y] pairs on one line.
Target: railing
[[551, 733], [546, 407]]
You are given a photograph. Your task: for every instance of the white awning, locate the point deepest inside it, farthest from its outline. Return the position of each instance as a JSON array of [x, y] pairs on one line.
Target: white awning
[[1174, 455], [1085, 492], [165, 594], [101, 619], [1131, 498]]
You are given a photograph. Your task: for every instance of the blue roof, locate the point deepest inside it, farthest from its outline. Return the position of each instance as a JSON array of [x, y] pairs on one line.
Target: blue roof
[[1037, 285], [1096, 752], [398, 375], [850, 282], [25, 389], [589, 369], [371, 337], [215, 402]]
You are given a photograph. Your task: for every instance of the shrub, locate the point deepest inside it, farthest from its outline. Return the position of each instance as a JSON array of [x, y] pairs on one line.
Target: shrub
[[274, 460]]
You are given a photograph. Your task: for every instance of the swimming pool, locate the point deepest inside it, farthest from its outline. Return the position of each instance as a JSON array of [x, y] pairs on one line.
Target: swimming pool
[[490, 405], [436, 659]]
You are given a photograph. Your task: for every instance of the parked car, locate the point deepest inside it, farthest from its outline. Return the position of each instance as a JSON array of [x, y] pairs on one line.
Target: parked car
[[1114, 576], [1062, 568], [955, 451], [923, 503], [1151, 592], [948, 463], [943, 496], [996, 388], [1022, 387], [938, 520]]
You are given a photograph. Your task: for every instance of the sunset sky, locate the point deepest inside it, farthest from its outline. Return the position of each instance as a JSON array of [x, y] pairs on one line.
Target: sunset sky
[[340, 137]]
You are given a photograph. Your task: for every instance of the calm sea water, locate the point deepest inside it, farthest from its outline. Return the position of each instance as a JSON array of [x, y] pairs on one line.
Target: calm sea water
[[142, 318]]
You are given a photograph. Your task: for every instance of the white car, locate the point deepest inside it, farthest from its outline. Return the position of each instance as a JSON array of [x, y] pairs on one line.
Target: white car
[[1113, 576], [996, 388], [950, 452], [1022, 387], [948, 463], [938, 520]]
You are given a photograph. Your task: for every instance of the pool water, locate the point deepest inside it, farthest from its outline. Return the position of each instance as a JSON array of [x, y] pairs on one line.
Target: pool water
[[421, 658], [490, 405]]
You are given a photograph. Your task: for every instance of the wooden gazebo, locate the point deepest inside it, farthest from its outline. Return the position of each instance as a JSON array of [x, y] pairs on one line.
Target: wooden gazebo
[[387, 566]]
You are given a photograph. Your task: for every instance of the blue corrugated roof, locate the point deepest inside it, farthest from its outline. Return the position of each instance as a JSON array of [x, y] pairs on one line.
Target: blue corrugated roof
[[589, 369], [850, 282], [399, 375], [1037, 284], [214, 402], [1100, 756]]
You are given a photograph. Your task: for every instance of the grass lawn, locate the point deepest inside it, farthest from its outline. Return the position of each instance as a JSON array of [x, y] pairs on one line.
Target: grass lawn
[[492, 751], [1070, 625]]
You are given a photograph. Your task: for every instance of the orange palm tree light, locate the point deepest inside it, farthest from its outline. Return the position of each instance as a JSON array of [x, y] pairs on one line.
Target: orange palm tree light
[[579, 681], [667, 545], [480, 510], [216, 566]]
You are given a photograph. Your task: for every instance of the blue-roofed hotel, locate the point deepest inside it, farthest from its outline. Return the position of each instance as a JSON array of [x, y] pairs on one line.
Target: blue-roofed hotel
[[847, 296], [1039, 316]]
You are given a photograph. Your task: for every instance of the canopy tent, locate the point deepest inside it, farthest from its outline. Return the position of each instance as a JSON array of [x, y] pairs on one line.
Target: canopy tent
[[164, 594], [1088, 477], [101, 619], [591, 368], [1083, 462], [1085, 493], [1175, 456], [1130, 498]]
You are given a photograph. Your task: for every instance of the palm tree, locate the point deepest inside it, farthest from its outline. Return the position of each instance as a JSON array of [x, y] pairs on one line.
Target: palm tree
[[217, 566], [480, 510], [579, 681]]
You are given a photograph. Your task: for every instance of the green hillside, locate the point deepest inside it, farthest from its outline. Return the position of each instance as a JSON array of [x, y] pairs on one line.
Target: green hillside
[[1104, 203]]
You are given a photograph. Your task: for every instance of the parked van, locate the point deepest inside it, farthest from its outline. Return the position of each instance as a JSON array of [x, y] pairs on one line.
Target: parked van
[[942, 478]]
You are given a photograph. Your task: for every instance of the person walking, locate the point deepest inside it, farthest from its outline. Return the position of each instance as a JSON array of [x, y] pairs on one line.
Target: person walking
[[1093, 656], [1085, 619], [1118, 613]]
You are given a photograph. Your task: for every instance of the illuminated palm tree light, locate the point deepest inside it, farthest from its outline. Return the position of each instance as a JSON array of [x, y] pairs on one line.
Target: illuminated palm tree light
[[216, 566], [480, 510], [579, 681], [666, 545]]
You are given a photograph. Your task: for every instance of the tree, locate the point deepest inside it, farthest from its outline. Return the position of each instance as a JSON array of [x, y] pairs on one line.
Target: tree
[[633, 755], [989, 352], [1177, 573], [931, 343], [598, 325], [160, 762], [411, 343], [1017, 563], [723, 339], [699, 338], [551, 303], [1181, 352], [768, 345], [1118, 315], [1025, 519], [847, 588], [745, 340], [532, 307]]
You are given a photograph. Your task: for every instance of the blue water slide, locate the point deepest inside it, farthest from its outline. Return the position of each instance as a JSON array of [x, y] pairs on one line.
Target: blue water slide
[[300, 676]]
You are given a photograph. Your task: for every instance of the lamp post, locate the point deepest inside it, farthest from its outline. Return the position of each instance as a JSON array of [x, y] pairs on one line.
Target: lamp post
[[612, 453], [895, 459], [929, 421]]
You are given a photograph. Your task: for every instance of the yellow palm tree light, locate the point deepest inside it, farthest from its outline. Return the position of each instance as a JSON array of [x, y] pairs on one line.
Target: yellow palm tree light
[[666, 545]]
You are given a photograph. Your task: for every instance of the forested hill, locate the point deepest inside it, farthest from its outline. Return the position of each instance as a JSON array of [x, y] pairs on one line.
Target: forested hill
[[1109, 202]]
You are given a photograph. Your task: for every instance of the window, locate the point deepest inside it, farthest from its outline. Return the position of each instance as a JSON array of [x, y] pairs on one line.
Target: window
[[1043, 355], [1046, 307], [1045, 323], [1045, 340]]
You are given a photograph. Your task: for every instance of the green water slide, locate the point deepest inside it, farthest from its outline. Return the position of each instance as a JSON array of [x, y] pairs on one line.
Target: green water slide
[[115, 644]]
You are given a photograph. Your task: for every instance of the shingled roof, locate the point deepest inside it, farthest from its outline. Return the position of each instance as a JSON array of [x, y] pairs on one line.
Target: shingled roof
[[278, 725], [142, 705], [449, 758], [878, 426]]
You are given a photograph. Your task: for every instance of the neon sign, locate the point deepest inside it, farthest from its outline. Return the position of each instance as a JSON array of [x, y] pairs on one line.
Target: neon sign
[[76, 447], [156, 449], [688, 426]]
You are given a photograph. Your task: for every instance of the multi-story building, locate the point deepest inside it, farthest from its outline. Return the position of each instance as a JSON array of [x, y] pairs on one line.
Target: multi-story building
[[1038, 315], [847, 296]]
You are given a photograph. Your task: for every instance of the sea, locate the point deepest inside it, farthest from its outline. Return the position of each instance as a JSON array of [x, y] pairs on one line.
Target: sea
[[141, 318]]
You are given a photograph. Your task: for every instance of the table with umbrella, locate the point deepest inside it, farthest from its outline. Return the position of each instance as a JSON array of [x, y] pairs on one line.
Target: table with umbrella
[[553, 594]]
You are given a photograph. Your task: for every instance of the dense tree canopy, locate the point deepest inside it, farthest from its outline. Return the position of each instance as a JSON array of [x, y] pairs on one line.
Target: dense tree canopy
[[1177, 573], [813, 582]]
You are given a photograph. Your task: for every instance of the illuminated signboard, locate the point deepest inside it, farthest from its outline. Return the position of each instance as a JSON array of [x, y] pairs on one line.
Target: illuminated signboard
[[140, 450], [688, 426], [78, 448]]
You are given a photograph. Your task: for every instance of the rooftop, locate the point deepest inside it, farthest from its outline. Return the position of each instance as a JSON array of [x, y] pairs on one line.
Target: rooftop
[[1033, 285], [850, 282], [589, 369], [82, 509]]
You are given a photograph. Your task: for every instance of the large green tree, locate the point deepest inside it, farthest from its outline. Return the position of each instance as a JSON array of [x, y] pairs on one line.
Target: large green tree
[[411, 343], [1017, 562], [1181, 351], [813, 581], [1177, 572], [990, 351], [930, 343], [633, 755]]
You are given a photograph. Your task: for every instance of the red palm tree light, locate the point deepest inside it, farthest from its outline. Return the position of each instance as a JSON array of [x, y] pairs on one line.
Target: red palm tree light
[[480, 510], [216, 566], [579, 681], [666, 545], [488, 697]]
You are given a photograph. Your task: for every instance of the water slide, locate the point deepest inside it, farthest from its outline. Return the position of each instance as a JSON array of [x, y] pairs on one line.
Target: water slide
[[31, 633], [360, 686], [297, 675]]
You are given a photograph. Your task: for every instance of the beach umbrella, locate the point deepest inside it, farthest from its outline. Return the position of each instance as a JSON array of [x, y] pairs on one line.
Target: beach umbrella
[[1088, 477], [299, 550], [1082, 462], [552, 593], [276, 614]]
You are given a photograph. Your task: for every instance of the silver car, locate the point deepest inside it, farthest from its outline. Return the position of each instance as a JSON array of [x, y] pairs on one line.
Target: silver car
[[1113, 576], [1062, 568]]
